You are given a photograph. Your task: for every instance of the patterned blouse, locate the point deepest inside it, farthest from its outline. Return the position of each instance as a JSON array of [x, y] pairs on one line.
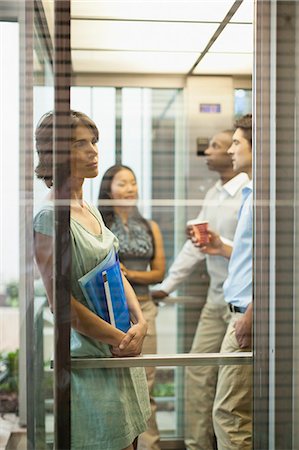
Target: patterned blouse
[[136, 247]]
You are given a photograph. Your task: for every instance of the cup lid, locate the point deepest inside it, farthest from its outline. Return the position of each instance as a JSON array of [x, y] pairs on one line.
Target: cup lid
[[196, 222]]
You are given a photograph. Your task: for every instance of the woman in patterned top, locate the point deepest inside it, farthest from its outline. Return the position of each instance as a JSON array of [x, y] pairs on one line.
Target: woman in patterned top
[[109, 407], [142, 260]]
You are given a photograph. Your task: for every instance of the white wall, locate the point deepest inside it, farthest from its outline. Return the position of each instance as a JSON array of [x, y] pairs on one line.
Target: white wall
[[9, 152], [99, 104], [209, 90]]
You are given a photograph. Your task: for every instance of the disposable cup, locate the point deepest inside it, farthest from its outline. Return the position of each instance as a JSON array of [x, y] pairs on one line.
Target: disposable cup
[[200, 230]]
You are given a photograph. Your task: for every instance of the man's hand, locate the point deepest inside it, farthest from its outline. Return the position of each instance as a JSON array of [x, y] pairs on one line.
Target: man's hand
[[189, 232], [158, 294], [243, 329], [215, 246]]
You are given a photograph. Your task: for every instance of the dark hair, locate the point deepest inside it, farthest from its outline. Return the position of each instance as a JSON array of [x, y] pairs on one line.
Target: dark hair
[[44, 141], [245, 124], [107, 211]]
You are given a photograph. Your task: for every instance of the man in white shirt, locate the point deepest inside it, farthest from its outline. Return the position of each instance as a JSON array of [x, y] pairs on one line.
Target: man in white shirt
[[220, 209]]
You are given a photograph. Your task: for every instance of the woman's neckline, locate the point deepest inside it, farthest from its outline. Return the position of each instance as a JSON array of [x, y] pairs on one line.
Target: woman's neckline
[[86, 229]]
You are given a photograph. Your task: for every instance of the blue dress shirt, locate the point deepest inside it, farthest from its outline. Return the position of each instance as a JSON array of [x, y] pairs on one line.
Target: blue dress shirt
[[238, 285]]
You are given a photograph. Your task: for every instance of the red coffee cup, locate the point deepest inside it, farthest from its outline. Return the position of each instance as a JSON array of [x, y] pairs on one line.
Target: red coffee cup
[[200, 230]]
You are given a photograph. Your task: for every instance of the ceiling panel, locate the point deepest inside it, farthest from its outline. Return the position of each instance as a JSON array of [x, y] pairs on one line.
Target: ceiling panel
[[234, 38], [225, 64], [198, 10], [146, 46], [141, 36], [245, 12], [132, 62]]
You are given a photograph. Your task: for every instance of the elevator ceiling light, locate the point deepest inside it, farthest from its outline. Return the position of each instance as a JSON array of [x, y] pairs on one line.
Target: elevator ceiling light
[[234, 38], [141, 36], [202, 10], [136, 62], [159, 36], [225, 64], [245, 12]]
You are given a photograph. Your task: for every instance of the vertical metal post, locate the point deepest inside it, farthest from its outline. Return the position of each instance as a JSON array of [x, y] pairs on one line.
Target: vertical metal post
[[296, 269], [274, 224], [62, 292], [262, 155], [285, 231], [26, 293]]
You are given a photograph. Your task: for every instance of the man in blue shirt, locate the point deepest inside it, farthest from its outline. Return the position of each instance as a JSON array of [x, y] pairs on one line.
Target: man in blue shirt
[[220, 208], [232, 411]]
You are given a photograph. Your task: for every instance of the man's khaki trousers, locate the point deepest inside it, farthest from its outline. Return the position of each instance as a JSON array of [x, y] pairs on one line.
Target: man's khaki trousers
[[232, 412], [201, 381]]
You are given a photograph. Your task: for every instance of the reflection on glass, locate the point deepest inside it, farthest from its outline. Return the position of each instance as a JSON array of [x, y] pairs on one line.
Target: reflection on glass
[[9, 220], [164, 116], [243, 102], [43, 333]]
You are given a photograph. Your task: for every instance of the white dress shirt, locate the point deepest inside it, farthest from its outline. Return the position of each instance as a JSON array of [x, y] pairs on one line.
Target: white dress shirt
[[220, 208]]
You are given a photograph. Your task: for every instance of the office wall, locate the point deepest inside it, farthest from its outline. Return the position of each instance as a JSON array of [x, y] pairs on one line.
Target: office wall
[[9, 152], [211, 91]]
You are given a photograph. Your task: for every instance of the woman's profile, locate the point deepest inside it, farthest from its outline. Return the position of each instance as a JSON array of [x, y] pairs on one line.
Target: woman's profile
[[109, 407]]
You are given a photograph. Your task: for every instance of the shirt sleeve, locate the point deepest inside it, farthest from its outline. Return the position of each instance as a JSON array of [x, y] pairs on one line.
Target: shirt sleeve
[[43, 222], [182, 267], [227, 241]]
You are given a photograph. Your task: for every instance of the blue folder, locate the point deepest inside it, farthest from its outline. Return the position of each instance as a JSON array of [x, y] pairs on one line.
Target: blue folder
[[104, 291]]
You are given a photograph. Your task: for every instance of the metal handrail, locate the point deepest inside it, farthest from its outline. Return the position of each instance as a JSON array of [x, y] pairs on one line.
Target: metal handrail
[[174, 360], [181, 300], [179, 359]]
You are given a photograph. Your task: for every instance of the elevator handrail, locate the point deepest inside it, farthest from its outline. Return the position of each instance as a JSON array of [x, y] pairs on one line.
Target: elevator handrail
[[178, 359], [167, 360], [181, 300]]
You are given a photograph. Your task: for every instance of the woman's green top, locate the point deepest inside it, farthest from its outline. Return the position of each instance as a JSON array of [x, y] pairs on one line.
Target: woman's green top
[[109, 407]]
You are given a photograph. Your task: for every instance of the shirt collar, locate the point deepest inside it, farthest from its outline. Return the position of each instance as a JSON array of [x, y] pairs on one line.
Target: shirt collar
[[233, 185], [247, 190], [249, 186]]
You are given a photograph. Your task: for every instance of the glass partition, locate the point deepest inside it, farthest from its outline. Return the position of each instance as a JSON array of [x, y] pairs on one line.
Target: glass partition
[[151, 129], [9, 217], [43, 335], [154, 131], [162, 134]]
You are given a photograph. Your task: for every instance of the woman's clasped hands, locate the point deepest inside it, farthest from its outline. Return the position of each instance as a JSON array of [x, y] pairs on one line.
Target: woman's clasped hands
[[131, 344]]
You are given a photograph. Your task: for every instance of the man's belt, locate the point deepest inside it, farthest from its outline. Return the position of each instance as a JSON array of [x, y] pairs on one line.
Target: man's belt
[[236, 309]]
